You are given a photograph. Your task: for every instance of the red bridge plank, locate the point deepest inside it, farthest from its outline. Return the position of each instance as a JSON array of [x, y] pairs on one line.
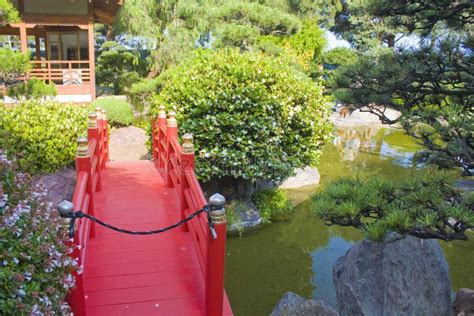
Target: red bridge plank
[[141, 275]]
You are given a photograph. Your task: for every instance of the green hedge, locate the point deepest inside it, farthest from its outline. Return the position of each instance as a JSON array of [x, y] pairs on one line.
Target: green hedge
[[119, 112], [252, 116], [42, 136]]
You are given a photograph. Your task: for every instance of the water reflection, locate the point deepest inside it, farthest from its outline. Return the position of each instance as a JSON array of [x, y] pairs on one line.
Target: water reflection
[[298, 255]]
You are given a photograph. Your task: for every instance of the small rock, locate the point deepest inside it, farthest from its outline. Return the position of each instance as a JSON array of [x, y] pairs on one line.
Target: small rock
[[292, 304], [464, 303], [304, 177], [403, 277]]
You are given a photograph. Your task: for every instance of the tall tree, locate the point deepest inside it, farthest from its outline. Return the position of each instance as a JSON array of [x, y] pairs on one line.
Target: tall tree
[[8, 12], [431, 83], [178, 26]]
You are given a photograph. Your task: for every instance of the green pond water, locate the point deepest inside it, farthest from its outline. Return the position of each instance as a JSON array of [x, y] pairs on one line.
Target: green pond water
[[297, 255]]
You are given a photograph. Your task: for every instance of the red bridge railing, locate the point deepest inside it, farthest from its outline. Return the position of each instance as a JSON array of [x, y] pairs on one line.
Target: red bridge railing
[[177, 160], [91, 158]]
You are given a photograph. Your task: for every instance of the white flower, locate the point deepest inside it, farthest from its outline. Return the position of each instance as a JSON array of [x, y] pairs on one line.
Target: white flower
[[16, 261]]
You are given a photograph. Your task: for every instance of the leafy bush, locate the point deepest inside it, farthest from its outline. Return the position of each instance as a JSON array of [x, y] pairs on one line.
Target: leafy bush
[[425, 207], [251, 115], [141, 93], [42, 136], [13, 66], [272, 204], [119, 67], [119, 112], [35, 267], [33, 89], [303, 47]]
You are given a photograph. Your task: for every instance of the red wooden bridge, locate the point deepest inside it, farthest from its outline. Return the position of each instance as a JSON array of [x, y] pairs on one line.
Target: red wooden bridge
[[178, 272]]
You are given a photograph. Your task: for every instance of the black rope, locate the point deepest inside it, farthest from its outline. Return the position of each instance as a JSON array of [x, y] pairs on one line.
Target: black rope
[[80, 214]]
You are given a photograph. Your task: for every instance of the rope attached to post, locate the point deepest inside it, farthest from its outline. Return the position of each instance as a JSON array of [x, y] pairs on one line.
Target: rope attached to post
[[81, 214]]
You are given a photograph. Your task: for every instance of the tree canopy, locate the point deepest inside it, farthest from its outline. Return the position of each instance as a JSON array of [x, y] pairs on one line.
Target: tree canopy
[[430, 82], [8, 13], [424, 207]]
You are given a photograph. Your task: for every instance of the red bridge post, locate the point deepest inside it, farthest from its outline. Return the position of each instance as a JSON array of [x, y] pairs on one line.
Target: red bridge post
[[94, 131], [187, 166], [171, 133], [105, 139], [161, 137], [76, 297], [216, 258]]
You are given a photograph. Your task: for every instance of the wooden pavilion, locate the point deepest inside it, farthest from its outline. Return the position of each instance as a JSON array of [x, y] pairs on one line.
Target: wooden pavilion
[[63, 33]]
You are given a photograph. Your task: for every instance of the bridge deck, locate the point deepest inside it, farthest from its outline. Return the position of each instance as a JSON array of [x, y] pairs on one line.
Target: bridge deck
[[141, 275]]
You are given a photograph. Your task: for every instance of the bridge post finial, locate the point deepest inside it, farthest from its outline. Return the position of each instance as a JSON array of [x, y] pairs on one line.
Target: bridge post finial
[[161, 111], [171, 121], [82, 147], [98, 111], [188, 146], [217, 211], [92, 120], [104, 114]]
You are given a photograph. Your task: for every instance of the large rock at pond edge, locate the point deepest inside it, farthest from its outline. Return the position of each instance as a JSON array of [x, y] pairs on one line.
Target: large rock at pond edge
[[293, 305], [464, 303], [60, 185], [404, 277], [303, 177]]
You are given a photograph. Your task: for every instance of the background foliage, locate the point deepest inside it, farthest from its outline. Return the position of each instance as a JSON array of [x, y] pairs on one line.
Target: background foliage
[[118, 67], [33, 89], [259, 119], [13, 66], [42, 136]]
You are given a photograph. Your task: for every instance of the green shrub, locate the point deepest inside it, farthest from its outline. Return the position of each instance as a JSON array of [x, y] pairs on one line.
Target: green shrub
[[36, 271], [251, 115], [142, 92], [13, 66], [42, 136], [119, 112], [118, 67], [273, 204], [33, 89]]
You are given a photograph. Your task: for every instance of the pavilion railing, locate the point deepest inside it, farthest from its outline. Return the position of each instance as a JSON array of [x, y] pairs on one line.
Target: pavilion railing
[[178, 161], [67, 72], [91, 158]]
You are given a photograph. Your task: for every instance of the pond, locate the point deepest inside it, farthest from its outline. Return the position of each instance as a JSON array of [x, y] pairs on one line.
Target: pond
[[298, 255]]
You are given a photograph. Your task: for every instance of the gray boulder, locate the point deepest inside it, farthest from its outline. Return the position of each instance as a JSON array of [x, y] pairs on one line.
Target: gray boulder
[[464, 303], [404, 277], [292, 304], [303, 177]]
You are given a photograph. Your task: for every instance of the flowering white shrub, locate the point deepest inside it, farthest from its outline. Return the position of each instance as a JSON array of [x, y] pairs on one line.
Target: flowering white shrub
[[252, 116], [35, 269]]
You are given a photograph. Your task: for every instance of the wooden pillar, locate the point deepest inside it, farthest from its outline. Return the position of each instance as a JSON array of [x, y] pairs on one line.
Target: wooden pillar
[[105, 135], [160, 151], [90, 37], [171, 133], [37, 47], [214, 295], [23, 38], [186, 168]]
